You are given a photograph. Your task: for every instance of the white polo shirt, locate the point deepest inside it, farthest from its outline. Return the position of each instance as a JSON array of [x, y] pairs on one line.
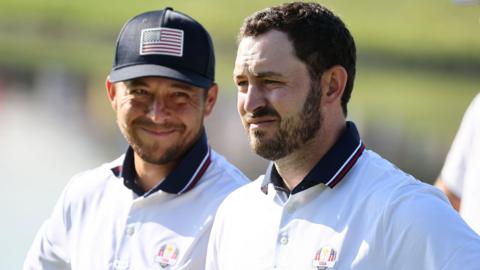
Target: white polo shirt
[[461, 171], [354, 210], [99, 222]]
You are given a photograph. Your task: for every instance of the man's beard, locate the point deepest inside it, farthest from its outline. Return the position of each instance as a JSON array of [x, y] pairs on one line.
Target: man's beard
[[293, 132], [147, 150]]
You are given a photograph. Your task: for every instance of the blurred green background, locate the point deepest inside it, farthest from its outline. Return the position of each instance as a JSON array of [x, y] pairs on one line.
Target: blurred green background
[[418, 69]]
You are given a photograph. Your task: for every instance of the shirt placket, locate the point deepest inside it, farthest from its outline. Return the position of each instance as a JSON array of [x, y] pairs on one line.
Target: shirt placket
[[284, 231], [131, 232], [285, 249]]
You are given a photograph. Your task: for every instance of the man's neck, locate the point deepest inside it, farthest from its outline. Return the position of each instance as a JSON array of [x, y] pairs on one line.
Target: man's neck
[[150, 175], [295, 167]]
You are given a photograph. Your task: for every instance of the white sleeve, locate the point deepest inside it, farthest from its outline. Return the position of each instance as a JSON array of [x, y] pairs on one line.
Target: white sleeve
[[49, 250], [422, 231], [454, 168]]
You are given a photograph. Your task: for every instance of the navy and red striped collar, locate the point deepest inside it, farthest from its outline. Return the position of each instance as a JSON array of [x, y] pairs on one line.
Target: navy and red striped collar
[[182, 179], [331, 169]]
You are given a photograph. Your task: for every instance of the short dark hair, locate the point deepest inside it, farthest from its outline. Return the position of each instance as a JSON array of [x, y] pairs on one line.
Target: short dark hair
[[320, 38]]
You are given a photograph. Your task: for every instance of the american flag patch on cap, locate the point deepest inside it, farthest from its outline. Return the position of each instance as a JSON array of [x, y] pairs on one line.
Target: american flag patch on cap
[[162, 41]]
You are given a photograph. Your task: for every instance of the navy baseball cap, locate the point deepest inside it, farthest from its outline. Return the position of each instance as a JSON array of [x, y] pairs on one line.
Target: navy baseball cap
[[164, 43]]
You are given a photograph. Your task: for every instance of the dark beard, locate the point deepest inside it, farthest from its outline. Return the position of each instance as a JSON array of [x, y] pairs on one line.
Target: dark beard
[[173, 153], [293, 132]]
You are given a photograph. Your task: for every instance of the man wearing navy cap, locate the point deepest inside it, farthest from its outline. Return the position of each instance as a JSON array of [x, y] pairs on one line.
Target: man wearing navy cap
[[325, 201], [153, 207]]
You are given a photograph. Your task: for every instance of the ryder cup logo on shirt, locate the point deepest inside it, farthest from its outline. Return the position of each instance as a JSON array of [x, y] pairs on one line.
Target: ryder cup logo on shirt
[[325, 259], [167, 255], [162, 41]]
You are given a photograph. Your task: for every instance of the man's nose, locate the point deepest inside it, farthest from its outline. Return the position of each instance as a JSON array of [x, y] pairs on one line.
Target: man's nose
[[159, 110], [254, 99]]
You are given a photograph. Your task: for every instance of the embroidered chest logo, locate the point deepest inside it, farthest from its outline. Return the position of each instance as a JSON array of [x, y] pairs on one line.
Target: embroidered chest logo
[[325, 259], [167, 255]]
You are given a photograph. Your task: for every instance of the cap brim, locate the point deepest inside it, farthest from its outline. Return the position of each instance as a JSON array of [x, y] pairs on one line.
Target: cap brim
[[137, 71]]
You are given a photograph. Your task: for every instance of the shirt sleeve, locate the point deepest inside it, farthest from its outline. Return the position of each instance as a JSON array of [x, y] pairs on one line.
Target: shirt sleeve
[[49, 249], [453, 171], [422, 231]]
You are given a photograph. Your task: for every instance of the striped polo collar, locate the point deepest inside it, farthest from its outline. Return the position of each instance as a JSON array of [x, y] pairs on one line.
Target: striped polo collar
[[183, 177], [330, 170]]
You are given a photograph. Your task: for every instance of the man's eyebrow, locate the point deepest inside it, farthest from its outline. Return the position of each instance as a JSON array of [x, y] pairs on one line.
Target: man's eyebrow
[[183, 86], [135, 83], [261, 75], [268, 74]]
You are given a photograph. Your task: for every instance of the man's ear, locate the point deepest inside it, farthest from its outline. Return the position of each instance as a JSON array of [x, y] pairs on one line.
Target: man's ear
[[333, 83], [211, 99], [111, 92]]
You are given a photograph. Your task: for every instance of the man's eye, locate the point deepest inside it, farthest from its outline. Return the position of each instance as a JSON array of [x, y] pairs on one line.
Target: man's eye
[[241, 83], [270, 81], [180, 94], [139, 92], [242, 86]]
